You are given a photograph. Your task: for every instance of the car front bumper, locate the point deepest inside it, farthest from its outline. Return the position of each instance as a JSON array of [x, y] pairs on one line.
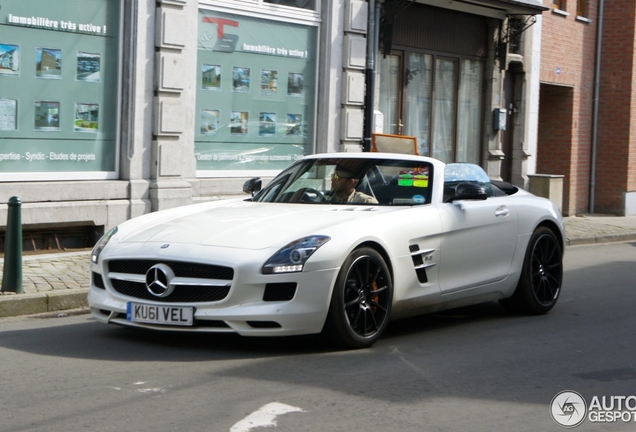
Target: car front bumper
[[245, 310]]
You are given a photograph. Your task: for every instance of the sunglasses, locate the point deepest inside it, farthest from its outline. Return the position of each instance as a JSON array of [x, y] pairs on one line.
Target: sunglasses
[[337, 177]]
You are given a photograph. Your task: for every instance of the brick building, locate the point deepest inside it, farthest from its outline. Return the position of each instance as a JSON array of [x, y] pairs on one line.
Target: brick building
[[585, 109], [616, 157]]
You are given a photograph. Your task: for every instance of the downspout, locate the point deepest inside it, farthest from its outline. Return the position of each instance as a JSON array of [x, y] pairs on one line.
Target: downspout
[[369, 77], [597, 86]]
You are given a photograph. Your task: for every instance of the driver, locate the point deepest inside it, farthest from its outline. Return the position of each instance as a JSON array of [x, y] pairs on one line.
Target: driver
[[343, 189]]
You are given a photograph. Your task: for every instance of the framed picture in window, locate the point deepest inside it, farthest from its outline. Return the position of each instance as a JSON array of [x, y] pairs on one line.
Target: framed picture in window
[[239, 122], [210, 122], [8, 115], [86, 117], [267, 124], [241, 79], [269, 81], [48, 63], [47, 116], [295, 125], [211, 77], [295, 84], [9, 59], [88, 66]]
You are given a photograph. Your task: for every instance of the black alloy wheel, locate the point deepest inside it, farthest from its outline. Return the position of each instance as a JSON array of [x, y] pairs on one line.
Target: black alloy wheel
[[361, 301], [540, 283]]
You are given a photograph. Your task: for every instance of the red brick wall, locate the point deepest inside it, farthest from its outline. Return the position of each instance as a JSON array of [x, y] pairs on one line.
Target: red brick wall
[[555, 134], [567, 60], [617, 126]]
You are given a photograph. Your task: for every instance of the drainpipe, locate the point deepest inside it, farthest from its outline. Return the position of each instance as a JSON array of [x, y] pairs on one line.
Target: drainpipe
[[597, 86], [369, 76]]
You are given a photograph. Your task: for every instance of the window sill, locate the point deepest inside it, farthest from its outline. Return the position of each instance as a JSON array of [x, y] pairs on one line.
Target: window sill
[[583, 19], [560, 12]]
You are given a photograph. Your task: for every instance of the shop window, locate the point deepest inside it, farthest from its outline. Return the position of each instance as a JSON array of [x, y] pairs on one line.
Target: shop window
[[59, 75], [304, 4], [256, 82]]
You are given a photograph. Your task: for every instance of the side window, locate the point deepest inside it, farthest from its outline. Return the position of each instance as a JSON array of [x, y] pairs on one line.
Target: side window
[[457, 173]]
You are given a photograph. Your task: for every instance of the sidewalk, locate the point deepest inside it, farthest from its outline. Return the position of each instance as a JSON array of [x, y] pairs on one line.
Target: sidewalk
[[58, 282]]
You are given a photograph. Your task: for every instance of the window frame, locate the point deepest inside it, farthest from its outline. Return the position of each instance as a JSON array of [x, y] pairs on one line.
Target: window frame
[[583, 8], [403, 54], [559, 4]]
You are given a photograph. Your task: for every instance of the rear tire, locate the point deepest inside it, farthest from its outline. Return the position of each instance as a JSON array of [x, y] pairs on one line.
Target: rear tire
[[539, 286], [361, 301]]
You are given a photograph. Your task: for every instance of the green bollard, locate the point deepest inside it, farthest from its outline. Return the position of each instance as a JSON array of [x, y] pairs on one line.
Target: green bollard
[[12, 273]]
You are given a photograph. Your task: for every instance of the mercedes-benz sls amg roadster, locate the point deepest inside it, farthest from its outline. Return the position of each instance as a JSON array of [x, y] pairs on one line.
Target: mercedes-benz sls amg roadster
[[339, 244]]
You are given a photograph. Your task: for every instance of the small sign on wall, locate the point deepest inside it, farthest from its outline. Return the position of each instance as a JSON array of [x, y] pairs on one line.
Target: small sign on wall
[[499, 119]]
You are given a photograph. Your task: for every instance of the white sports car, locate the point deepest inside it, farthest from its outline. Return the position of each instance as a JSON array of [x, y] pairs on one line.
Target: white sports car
[[336, 243]]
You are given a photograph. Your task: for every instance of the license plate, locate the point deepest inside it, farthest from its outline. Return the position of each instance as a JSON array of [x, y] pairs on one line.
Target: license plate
[[153, 314]]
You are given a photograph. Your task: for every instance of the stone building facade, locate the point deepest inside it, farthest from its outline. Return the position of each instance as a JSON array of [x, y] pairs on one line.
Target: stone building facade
[[188, 99]]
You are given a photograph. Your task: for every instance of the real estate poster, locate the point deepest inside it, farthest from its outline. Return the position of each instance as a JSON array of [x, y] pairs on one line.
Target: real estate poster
[[59, 81]]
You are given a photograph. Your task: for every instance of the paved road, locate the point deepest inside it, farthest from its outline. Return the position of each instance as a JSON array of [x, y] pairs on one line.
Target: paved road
[[475, 368], [58, 282]]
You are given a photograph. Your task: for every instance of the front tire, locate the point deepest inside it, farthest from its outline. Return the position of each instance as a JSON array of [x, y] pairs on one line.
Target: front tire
[[361, 301], [541, 277]]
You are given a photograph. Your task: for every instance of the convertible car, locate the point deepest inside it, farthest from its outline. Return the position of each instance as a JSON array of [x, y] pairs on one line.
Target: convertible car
[[336, 243]]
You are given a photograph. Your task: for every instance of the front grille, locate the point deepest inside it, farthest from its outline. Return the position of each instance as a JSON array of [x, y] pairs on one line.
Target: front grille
[[205, 291], [180, 269], [181, 293]]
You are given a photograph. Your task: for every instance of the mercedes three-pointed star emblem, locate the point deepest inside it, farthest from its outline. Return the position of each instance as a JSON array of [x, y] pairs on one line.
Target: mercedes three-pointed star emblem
[[158, 280]]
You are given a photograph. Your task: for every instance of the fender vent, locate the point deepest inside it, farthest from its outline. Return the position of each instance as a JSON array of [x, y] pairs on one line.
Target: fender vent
[[418, 262]]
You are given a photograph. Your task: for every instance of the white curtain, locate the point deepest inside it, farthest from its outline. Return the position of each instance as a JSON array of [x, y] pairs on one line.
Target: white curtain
[[389, 92], [419, 83], [470, 79], [445, 102], [452, 113]]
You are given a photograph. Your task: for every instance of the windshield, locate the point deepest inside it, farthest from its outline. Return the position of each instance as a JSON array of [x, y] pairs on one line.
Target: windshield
[[363, 181]]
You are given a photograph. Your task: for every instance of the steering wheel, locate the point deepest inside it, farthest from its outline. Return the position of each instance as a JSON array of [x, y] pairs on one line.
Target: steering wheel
[[305, 195]]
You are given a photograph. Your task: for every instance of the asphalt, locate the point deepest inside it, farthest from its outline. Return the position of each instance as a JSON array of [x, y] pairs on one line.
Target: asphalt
[[58, 282]]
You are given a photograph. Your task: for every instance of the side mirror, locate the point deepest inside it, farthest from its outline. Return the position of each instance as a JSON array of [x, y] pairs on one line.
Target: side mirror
[[252, 186], [470, 191]]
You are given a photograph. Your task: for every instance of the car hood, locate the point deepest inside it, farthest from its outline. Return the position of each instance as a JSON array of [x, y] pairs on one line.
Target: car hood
[[247, 225]]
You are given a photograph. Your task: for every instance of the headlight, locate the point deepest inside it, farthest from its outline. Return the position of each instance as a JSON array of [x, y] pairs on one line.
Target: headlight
[[101, 244], [292, 258]]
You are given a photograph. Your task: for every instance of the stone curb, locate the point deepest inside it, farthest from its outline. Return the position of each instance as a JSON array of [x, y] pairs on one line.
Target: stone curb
[[604, 238], [35, 303]]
